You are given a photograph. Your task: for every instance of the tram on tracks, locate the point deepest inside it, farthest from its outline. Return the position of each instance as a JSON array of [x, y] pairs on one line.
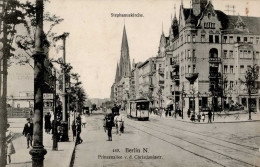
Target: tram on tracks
[[138, 109]]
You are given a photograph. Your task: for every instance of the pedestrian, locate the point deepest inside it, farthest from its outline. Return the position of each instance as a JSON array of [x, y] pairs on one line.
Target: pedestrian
[[192, 117], [78, 132], [203, 117], [109, 128], [105, 123], [9, 143], [73, 127], [115, 110], [83, 120], [28, 132], [209, 116], [47, 120], [199, 117], [188, 112]]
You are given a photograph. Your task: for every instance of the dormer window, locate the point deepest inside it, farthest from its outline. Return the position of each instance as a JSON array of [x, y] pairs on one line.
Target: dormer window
[[209, 15]]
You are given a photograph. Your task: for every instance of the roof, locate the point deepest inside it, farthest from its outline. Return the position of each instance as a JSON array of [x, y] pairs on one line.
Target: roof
[[252, 23], [228, 22]]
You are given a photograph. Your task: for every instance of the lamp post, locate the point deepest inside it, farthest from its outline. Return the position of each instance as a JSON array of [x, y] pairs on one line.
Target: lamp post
[[64, 121], [54, 136], [38, 151], [69, 91]]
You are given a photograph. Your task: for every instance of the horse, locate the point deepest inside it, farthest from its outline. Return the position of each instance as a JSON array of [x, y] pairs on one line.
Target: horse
[[118, 120]]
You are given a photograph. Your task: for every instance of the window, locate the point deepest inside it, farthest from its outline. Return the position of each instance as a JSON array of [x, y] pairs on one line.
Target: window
[[231, 55], [160, 65], [188, 56], [189, 69], [231, 39], [193, 53], [194, 68], [241, 54], [18, 105], [225, 85], [193, 38], [242, 69], [188, 38], [256, 54], [209, 15], [216, 39], [225, 54], [252, 39], [210, 38], [257, 40], [248, 67], [249, 55], [245, 39], [225, 68], [245, 54], [231, 84], [231, 69], [238, 39], [225, 39], [203, 38]]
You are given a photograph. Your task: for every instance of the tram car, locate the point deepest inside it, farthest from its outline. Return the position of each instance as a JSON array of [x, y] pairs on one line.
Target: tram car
[[138, 109]]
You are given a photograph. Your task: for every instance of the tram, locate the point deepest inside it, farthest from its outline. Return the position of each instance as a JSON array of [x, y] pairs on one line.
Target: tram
[[138, 109]]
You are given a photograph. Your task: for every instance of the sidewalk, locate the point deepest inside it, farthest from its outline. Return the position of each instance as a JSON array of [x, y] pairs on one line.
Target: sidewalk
[[22, 158], [218, 118]]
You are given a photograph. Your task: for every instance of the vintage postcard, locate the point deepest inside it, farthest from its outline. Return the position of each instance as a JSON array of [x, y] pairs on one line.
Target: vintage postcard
[[130, 83]]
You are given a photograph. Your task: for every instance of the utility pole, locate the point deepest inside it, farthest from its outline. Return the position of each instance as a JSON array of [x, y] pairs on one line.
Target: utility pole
[[38, 151]]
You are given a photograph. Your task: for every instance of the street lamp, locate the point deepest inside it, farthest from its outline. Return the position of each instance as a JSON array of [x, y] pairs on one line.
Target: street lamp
[[38, 151]]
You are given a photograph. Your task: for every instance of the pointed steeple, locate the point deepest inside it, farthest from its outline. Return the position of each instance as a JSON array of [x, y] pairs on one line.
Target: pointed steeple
[[124, 46], [117, 73], [124, 64]]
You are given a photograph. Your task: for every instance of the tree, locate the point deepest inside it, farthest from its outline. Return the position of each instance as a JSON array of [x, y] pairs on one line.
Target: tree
[[251, 76], [25, 40]]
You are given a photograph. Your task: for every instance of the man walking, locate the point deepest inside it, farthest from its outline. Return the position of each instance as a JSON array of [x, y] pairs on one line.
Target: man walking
[[115, 110], [109, 126], [209, 116], [28, 132]]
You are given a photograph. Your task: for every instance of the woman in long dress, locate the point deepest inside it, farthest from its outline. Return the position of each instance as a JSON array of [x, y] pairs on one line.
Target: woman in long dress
[[9, 143]]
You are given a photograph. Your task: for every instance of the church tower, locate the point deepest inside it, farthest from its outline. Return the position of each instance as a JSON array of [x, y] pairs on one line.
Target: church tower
[[198, 6], [124, 64]]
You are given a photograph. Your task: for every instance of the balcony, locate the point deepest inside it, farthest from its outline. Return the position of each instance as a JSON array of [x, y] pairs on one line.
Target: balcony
[[161, 82], [176, 76], [214, 75], [161, 71], [191, 77], [214, 60], [175, 64], [192, 59]]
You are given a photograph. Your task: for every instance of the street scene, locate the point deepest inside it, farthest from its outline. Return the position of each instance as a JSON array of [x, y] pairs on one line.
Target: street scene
[[129, 83]]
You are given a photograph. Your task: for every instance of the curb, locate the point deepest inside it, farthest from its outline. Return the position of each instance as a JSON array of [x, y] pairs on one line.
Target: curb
[[219, 122]]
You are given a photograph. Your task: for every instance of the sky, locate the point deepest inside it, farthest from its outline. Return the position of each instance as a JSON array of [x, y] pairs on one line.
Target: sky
[[93, 46]]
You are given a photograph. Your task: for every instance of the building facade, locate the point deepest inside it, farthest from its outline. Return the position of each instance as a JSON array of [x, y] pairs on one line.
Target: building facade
[[120, 90]]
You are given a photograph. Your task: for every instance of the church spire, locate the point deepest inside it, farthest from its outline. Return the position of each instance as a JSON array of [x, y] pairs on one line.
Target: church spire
[[124, 64], [124, 46], [117, 73]]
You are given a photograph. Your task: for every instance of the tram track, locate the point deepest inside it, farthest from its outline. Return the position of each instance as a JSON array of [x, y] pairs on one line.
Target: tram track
[[242, 145], [248, 148], [203, 149]]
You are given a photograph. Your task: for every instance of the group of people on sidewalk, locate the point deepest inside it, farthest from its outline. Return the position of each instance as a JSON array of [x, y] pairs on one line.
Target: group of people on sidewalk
[[114, 119], [202, 117]]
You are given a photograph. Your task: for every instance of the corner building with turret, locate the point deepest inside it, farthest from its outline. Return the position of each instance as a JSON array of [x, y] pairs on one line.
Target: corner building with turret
[[207, 55]]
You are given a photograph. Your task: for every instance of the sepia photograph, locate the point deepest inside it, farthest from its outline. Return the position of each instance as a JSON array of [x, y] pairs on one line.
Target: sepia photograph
[[129, 83]]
